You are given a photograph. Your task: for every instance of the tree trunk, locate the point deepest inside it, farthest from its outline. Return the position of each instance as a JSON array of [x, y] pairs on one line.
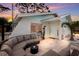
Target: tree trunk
[[27, 9], [3, 32], [72, 35]]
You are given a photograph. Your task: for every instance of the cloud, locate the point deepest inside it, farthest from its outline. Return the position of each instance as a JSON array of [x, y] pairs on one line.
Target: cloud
[[75, 18], [58, 6], [55, 7], [8, 14]]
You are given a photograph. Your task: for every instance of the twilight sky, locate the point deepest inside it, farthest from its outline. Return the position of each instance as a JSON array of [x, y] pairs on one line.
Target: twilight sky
[[62, 8], [59, 8]]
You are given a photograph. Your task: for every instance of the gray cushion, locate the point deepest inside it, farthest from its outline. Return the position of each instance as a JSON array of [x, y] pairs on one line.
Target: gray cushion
[[3, 53], [14, 41], [19, 52], [27, 37], [51, 53], [9, 43], [7, 49], [19, 38], [33, 36], [65, 51]]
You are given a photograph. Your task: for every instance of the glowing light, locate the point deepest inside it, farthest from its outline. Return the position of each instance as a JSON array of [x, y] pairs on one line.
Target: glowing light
[[10, 20], [76, 36]]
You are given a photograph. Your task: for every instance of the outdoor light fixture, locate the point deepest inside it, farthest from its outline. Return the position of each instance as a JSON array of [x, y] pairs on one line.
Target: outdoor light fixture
[[10, 20], [34, 49]]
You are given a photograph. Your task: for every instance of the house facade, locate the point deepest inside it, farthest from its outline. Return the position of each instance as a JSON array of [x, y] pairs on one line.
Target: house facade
[[28, 23]]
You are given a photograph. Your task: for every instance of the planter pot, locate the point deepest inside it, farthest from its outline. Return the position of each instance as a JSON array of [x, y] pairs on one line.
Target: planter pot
[[34, 49]]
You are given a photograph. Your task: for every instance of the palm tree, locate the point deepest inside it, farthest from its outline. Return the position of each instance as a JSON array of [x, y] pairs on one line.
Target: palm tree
[[3, 22], [70, 26], [22, 7], [34, 6], [75, 26], [2, 8], [43, 6]]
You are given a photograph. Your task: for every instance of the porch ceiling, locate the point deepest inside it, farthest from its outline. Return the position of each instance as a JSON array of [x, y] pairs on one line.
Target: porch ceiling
[[35, 14], [51, 19]]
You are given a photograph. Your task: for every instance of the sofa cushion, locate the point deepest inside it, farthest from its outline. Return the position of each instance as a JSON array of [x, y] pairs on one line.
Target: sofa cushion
[[19, 38], [19, 52], [65, 51], [27, 37], [14, 41], [9, 43], [33, 36], [51, 53], [3, 53], [7, 49]]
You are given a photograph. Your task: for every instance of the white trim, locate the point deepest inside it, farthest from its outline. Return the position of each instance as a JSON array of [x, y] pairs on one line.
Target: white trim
[[34, 14], [50, 19], [64, 15]]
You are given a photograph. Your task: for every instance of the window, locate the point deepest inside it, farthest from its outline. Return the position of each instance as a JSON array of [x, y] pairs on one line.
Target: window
[[36, 27]]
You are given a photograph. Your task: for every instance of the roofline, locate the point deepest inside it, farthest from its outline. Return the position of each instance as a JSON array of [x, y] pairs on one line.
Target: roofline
[[64, 15], [34, 14], [53, 19]]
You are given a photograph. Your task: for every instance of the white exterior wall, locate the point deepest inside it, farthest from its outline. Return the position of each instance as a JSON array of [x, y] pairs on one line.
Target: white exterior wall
[[65, 31], [24, 26], [65, 18], [55, 28], [52, 28], [46, 29], [28, 23]]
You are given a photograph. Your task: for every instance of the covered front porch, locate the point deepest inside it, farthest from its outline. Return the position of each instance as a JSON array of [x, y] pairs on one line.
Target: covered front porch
[[53, 28]]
